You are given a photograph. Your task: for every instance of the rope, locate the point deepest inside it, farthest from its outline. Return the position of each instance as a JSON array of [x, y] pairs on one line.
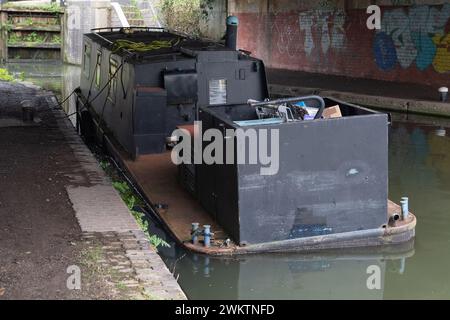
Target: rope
[[96, 96], [143, 47]]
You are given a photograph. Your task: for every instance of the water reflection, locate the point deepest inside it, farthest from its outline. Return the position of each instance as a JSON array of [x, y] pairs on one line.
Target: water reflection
[[47, 75], [59, 78], [288, 276], [420, 167]]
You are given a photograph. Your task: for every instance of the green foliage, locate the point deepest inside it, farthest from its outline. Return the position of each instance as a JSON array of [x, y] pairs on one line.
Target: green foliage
[[185, 15], [28, 21], [5, 75], [105, 165], [206, 6], [157, 241], [56, 39], [7, 26], [50, 7], [32, 37], [13, 38], [138, 14], [21, 76], [132, 201]]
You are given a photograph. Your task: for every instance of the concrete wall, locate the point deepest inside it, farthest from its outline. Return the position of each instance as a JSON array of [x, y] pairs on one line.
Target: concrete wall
[[331, 36], [214, 25], [80, 17]]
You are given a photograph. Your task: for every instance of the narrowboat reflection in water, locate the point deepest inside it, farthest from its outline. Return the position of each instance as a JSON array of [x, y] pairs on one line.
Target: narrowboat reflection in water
[[343, 275]]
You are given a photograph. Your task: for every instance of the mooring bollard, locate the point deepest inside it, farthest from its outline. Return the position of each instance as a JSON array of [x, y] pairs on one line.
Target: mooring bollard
[[207, 235], [27, 111], [443, 94], [194, 232], [405, 207]]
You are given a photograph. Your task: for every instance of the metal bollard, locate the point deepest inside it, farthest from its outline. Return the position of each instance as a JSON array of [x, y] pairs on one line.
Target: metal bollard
[[27, 111], [443, 94], [405, 207], [194, 232], [27, 114], [207, 235]]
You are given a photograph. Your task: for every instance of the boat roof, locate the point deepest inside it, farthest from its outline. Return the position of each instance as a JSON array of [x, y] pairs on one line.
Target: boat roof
[[108, 37]]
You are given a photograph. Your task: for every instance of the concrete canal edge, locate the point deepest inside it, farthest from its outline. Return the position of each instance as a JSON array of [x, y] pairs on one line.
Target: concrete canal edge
[[434, 108], [101, 213]]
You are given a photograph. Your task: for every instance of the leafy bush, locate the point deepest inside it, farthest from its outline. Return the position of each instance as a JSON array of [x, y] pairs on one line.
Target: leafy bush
[[5, 75], [50, 7], [185, 15], [127, 195]]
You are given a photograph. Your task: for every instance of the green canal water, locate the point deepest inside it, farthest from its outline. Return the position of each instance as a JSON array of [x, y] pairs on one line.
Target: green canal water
[[419, 167]]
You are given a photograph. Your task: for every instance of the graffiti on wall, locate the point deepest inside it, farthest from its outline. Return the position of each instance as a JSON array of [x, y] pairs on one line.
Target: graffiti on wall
[[329, 24], [318, 28], [287, 36], [418, 36]]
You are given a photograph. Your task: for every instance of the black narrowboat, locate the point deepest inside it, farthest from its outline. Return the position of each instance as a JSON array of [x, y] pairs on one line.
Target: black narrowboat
[[329, 189]]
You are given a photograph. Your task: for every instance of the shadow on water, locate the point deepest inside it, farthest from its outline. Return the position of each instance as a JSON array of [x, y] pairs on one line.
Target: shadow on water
[[419, 167]]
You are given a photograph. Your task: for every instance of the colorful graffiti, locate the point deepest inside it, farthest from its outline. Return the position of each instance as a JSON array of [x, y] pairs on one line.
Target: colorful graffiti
[[419, 35]]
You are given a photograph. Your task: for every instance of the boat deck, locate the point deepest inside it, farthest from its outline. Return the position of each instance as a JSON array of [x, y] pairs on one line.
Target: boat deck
[[156, 176]]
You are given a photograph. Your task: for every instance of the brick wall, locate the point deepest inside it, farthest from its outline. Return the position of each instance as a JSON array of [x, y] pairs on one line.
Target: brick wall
[[331, 36]]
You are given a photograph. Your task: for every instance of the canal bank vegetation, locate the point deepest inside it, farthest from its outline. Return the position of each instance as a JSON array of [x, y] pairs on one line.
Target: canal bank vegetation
[[135, 9], [185, 15], [5, 75], [52, 7], [33, 38], [31, 31], [133, 202]]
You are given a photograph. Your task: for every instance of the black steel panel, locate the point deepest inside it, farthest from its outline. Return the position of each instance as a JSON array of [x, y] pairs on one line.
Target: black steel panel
[[217, 185], [332, 178], [149, 120], [181, 86]]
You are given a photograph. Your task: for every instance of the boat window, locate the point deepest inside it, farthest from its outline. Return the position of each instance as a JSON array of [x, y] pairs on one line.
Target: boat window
[[98, 69], [217, 91], [87, 60], [113, 79]]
